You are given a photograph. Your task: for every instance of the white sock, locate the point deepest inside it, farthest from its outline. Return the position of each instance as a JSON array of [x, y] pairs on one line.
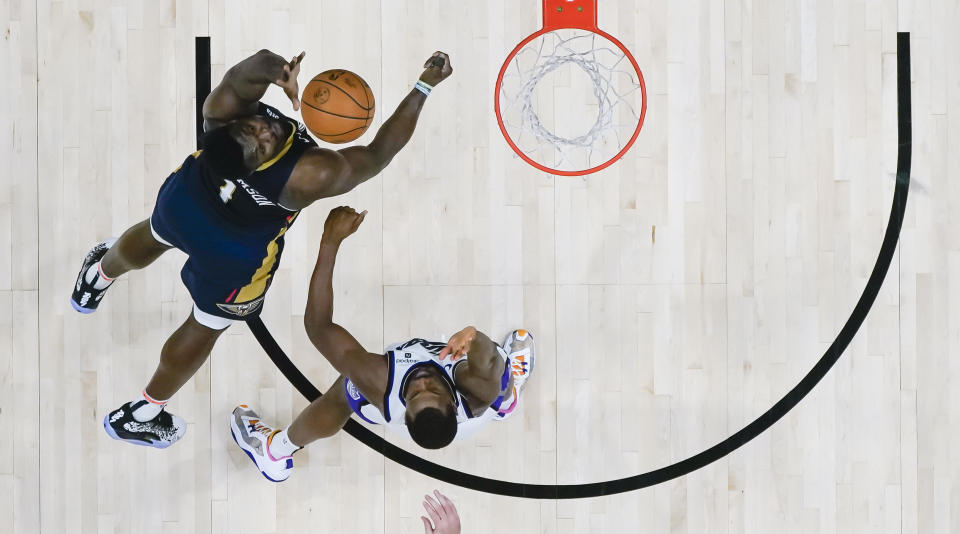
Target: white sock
[[281, 446], [149, 410], [95, 272]]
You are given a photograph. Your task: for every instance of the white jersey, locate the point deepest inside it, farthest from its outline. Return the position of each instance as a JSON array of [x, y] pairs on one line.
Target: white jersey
[[403, 359]]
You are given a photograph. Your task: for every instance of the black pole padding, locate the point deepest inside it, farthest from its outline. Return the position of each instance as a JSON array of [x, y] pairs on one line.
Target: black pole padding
[[202, 69]]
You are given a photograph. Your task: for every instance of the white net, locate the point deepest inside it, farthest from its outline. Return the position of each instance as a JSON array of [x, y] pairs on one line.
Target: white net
[[585, 111]]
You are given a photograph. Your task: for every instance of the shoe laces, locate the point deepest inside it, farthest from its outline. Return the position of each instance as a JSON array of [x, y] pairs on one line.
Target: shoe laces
[[254, 425], [519, 365]]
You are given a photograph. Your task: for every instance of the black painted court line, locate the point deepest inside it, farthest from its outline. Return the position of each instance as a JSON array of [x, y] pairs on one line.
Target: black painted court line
[[725, 447], [202, 74]]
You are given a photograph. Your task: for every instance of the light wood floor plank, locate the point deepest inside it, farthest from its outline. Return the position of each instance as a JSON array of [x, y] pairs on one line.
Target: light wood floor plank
[[674, 296]]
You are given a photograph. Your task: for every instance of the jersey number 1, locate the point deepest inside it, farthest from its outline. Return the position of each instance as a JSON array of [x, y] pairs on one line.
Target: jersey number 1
[[226, 190]]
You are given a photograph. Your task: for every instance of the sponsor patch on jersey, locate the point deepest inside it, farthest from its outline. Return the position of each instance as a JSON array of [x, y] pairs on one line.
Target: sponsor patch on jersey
[[352, 391], [242, 309]]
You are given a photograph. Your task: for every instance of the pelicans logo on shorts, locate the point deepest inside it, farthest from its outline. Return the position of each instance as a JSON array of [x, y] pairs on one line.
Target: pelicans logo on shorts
[[352, 390], [242, 309]]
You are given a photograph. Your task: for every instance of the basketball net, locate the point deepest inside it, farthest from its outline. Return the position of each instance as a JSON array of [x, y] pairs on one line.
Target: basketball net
[[615, 112]]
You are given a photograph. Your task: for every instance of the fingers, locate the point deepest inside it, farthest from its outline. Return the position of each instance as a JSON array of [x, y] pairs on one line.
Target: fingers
[[288, 80], [431, 509], [455, 349], [347, 209], [346, 218], [447, 67], [294, 65], [359, 220], [459, 343], [445, 503], [448, 506], [427, 528], [437, 507], [294, 98], [438, 59]]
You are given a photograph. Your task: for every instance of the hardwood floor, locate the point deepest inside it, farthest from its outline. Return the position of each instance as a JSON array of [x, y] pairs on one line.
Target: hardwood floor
[[674, 296]]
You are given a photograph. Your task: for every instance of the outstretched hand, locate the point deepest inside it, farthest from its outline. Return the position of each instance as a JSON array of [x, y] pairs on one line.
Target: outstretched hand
[[459, 344], [437, 69], [288, 80], [342, 221], [443, 514]]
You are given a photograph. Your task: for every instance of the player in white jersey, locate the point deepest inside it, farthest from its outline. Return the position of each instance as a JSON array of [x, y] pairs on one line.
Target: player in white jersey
[[434, 392]]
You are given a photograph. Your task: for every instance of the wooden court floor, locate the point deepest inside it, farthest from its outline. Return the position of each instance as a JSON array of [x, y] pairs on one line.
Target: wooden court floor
[[674, 296]]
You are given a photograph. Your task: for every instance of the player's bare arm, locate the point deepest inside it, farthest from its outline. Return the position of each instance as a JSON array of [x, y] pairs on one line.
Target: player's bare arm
[[367, 370], [322, 173], [480, 375], [245, 84]]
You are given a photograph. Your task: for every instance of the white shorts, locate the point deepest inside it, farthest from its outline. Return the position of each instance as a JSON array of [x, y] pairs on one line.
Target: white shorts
[[210, 321]]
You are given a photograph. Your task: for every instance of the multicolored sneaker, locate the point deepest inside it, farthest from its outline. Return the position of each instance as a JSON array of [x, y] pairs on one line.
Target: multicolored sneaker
[[160, 432], [86, 297], [254, 438], [519, 345]]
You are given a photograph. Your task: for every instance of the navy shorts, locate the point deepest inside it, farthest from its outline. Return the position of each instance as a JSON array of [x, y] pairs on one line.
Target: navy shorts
[[229, 269]]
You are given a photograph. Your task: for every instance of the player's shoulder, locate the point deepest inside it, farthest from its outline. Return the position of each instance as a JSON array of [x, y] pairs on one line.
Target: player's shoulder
[[318, 163]]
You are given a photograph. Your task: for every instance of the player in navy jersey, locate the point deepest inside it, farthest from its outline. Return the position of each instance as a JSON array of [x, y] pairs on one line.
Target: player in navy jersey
[[227, 206], [433, 392]]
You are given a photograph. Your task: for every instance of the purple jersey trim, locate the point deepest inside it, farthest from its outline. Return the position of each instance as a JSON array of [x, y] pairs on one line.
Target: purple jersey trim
[[504, 380]]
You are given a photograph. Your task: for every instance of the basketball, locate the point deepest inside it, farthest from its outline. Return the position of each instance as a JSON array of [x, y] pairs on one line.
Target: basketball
[[337, 106]]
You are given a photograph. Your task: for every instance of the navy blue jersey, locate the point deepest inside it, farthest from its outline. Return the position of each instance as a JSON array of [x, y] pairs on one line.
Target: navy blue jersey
[[231, 229], [252, 201]]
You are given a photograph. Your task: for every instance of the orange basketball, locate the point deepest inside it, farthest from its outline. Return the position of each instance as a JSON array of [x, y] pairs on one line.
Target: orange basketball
[[337, 106]]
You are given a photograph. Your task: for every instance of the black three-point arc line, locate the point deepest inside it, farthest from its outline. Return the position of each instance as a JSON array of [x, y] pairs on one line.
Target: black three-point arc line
[[714, 453]]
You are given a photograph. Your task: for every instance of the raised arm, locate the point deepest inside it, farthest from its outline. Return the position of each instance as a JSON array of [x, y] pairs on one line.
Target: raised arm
[[480, 375], [246, 82], [367, 370], [322, 173]]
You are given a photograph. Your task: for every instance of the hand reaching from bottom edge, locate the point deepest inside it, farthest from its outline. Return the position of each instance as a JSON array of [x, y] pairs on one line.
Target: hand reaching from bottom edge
[[443, 514]]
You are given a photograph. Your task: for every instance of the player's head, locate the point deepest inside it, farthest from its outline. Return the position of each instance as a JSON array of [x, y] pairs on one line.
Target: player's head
[[242, 145], [431, 412], [433, 428]]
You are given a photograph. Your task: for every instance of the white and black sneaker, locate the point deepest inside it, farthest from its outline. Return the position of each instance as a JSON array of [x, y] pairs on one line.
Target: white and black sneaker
[[160, 432], [86, 297]]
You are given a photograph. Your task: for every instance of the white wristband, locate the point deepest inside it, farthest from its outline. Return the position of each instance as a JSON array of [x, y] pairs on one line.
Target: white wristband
[[423, 87]]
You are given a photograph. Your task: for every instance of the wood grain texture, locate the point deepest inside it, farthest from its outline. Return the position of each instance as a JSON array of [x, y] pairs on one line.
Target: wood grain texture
[[674, 296]]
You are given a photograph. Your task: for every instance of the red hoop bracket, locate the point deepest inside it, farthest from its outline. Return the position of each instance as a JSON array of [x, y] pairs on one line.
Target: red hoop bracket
[[580, 14]]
